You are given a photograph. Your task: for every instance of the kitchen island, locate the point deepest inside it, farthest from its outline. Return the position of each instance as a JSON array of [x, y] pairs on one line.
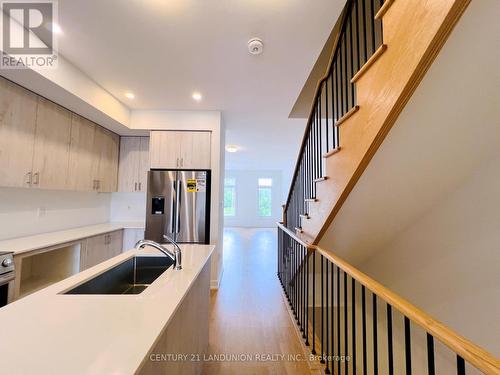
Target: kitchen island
[[50, 332]]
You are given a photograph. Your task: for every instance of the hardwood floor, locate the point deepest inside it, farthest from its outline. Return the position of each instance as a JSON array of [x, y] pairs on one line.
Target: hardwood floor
[[248, 316]]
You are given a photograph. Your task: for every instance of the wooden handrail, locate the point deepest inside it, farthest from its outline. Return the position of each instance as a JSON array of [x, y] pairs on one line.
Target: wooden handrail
[[475, 355], [472, 353], [294, 236], [343, 24]]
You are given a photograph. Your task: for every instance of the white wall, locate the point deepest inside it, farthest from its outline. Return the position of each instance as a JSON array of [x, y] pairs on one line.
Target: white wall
[[448, 261], [128, 207], [63, 210], [247, 199]]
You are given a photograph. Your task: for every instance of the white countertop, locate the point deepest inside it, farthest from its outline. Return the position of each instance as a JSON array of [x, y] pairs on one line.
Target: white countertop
[[40, 241], [52, 333]]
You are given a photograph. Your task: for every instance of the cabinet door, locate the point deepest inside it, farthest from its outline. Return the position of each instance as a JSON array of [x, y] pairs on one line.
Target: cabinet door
[[105, 166], [165, 148], [130, 163], [144, 164], [17, 134], [195, 150], [81, 154], [115, 243], [52, 139], [96, 251]]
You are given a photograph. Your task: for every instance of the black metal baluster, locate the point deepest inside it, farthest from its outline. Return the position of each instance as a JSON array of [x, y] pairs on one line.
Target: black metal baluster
[[351, 85], [341, 80], [389, 340], [320, 138], [353, 323], [346, 318], [322, 316], [307, 297], [299, 279], [338, 320], [327, 370], [363, 314], [304, 291], [313, 351], [326, 113], [372, 23], [332, 100], [375, 343], [346, 77], [365, 36], [460, 365], [358, 50], [332, 313], [337, 94], [407, 346], [431, 369]]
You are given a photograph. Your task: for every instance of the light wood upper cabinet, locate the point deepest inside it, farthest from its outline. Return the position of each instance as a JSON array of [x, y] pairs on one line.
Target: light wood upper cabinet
[[195, 150], [144, 164], [165, 149], [43, 145], [180, 149], [81, 155], [134, 164], [17, 134], [51, 151], [105, 163]]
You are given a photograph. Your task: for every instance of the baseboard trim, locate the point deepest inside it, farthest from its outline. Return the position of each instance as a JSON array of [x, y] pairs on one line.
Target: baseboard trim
[[215, 284]]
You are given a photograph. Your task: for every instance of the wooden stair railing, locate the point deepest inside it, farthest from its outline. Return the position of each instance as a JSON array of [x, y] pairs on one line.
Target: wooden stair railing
[[358, 321], [380, 54]]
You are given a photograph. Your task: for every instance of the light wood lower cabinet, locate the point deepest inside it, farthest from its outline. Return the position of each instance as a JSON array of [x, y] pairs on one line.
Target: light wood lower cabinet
[[97, 249], [43, 267]]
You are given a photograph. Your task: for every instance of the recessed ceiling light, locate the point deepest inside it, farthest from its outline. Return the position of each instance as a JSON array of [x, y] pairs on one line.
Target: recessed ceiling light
[[197, 96], [56, 28], [232, 148], [129, 95]]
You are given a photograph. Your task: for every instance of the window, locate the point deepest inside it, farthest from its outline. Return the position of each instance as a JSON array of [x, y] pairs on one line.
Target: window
[[265, 196], [229, 196]]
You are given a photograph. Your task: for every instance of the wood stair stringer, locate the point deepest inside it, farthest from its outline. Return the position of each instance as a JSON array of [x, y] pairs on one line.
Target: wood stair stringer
[[382, 93]]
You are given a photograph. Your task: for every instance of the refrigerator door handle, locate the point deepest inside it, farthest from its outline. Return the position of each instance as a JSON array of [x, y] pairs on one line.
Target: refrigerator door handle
[[173, 204], [177, 208]]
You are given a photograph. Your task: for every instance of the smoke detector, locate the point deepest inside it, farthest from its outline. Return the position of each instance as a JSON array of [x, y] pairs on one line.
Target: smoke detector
[[255, 46]]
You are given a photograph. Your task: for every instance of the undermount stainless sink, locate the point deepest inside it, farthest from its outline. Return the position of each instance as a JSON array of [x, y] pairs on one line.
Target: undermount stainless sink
[[132, 276]]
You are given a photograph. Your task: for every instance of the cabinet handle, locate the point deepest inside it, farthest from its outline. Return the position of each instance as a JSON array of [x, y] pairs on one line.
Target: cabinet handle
[[29, 178], [182, 162], [36, 178], [98, 184], [140, 186], [135, 186], [177, 163]]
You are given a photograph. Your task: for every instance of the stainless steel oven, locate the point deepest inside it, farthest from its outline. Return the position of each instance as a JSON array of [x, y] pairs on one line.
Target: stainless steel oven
[[7, 276]]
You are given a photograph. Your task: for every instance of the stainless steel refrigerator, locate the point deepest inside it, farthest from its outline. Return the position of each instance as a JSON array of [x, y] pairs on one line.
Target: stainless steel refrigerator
[[178, 205]]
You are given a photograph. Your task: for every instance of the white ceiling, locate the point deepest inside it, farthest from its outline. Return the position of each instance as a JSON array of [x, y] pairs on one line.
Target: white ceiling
[[164, 50]]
